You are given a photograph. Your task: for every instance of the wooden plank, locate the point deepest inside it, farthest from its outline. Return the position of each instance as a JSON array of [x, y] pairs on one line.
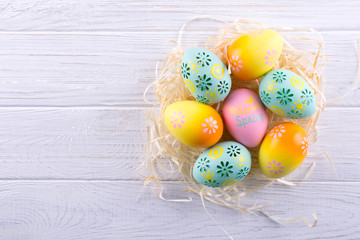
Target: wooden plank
[[110, 15], [96, 143], [78, 143], [80, 70], [117, 210]]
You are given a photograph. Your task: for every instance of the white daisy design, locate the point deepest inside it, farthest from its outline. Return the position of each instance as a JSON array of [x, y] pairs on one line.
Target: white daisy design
[[210, 126], [304, 145], [277, 131]]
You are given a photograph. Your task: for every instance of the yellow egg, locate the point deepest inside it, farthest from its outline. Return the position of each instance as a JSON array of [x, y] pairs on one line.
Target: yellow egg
[[253, 54], [283, 149], [193, 123]]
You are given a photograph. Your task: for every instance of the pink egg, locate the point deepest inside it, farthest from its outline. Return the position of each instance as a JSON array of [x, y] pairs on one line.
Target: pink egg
[[245, 117]]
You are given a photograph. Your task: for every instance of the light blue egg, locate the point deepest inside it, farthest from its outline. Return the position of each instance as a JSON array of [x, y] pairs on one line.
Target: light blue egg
[[205, 75], [287, 94], [222, 164]]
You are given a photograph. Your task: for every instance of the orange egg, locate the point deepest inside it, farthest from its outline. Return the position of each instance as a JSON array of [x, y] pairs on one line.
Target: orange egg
[[283, 150], [253, 54], [193, 123]]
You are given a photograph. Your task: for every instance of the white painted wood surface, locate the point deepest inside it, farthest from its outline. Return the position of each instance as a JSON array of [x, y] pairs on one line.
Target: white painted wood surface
[[72, 126]]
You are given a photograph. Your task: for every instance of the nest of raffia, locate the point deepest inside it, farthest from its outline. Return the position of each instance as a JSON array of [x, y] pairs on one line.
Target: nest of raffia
[[165, 154]]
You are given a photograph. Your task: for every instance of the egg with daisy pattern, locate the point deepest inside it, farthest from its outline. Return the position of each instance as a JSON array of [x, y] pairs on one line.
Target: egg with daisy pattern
[[287, 94], [253, 54], [205, 75], [283, 149], [222, 165], [193, 123]]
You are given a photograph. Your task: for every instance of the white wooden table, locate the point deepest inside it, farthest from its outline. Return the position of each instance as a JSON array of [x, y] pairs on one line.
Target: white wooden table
[[72, 126]]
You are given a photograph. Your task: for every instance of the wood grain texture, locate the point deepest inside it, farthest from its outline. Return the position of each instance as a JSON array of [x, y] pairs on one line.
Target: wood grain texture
[[92, 70], [144, 15], [72, 123], [71, 143], [116, 210]]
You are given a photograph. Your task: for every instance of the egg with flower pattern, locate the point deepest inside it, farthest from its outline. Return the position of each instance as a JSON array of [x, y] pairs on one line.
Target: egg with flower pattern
[[287, 94], [193, 123], [205, 75], [253, 54], [283, 150], [222, 164]]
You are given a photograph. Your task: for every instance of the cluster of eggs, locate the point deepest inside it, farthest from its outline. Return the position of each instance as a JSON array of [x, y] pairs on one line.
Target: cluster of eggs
[[196, 124]]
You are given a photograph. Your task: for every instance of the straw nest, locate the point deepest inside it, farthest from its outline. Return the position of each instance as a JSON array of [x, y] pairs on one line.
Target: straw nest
[[166, 156]]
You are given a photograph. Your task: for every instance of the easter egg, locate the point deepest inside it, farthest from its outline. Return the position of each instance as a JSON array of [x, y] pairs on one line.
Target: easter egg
[[222, 164], [193, 123], [245, 117], [253, 54], [287, 94], [205, 75], [283, 149]]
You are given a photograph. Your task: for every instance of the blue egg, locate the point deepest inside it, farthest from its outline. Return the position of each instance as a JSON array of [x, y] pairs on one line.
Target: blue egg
[[286, 94], [205, 75], [222, 164]]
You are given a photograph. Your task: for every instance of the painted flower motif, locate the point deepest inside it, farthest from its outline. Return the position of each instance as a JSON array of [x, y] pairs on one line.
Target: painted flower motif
[[255, 33], [284, 96], [233, 151], [223, 87], [177, 119], [277, 131], [271, 57], [235, 63], [203, 164], [240, 161], [224, 169], [203, 82], [275, 167], [307, 97], [242, 173], [279, 77], [210, 125], [265, 97], [294, 114], [202, 99], [305, 145], [185, 70], [212, 95], [208, 175], [203, 59], [211, 183]]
